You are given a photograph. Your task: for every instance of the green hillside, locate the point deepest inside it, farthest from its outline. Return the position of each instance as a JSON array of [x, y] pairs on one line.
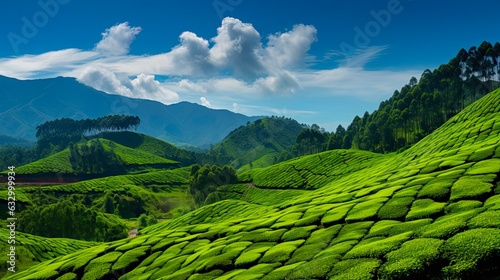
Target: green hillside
[[432, 211], [257, 144], [161, 193], [35, 249], [312, 171], [123, 157], [151, 145]]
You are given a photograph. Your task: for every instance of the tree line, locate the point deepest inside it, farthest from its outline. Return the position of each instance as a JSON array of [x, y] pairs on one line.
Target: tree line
[[415, 111], [67, 126], [54, 136]]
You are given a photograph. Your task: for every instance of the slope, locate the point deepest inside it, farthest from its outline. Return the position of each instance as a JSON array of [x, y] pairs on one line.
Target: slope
[[258, 143], [35, 249], [151, 145], [125, 158], [161, 193], [28, 103], [430, 212]]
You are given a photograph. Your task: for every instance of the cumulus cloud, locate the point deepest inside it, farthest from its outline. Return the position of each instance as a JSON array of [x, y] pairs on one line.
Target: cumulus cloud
[[238, 47], [236, 63], [143, 86], [290, 49], [205, 102], [283, 82], [192, 55], [117, 39]]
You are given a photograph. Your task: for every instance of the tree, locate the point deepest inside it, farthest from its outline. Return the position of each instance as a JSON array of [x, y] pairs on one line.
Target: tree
[[143, 221]]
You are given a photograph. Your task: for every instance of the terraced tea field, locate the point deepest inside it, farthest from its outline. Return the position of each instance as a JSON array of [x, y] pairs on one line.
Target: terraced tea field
[[432, 211], [36, 249], [60, 163]]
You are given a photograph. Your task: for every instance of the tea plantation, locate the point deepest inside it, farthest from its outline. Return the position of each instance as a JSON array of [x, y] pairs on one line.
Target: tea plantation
[[432, 211]]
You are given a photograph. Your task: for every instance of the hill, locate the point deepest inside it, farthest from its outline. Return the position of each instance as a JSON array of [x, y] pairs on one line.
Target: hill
[[422, 106], [35, 249], [28, 103], [94, 157], [432, 211], [258, 143], [153, 146]]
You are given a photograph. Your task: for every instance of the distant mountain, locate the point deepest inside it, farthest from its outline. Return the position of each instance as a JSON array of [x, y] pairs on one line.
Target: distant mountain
[[7, 140], [259, 143], [28, 103]]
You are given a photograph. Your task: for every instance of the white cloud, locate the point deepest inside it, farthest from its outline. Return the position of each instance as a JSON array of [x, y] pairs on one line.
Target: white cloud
[[289, 49], [205, 102], [192, 55], [238, 47], [281, 82], [236, 107], [235, 64], [361, 57], [143, 86], [117, 39], [52, 63], [265, 110]]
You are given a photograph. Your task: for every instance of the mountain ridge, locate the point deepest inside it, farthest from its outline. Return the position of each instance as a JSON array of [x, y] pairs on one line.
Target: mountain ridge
[[28, 103]]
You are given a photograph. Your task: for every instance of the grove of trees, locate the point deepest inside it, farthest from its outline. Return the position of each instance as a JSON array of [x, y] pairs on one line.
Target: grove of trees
[[92, 158], [67, 219], [206, 179], [55, 135], [417, 109]]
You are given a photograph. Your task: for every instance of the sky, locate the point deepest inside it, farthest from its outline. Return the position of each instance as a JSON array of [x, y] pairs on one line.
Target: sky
[[321, 62]]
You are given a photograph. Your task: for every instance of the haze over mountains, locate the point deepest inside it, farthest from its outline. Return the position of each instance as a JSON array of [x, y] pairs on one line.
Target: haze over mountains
[[28, 103]]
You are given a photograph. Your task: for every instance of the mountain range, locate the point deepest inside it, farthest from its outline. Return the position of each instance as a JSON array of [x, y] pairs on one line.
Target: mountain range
[[28, 103]]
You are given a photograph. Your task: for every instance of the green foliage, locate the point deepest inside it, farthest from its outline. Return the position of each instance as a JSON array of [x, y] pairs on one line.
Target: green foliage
[[316, 268], [424, 208], [260, 143], [485, 219], [336, 214], [130, 257], [73, 221], [281, 252], [462, 205], [437, 190], [472, 187], [395, 208], [363, 216], [472, 252], [355, 269], [297, 233], [206, 179], [376, 247], [323, 235], [96, 156], [365, 210], [306, 252], [448, 225], [412, 260], [61, 132]]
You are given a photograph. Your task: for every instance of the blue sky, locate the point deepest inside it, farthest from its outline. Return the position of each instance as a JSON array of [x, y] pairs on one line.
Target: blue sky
[[317, 61]]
